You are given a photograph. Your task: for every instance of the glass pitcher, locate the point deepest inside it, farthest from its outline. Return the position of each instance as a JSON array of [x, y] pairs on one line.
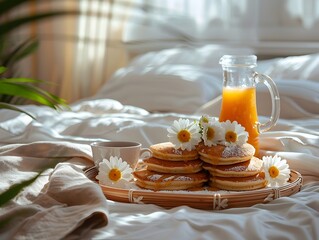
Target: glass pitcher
[[239, 96]]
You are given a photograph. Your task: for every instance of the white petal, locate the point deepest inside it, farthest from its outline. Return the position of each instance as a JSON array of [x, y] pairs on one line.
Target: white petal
[[121, 164], [170, 130], [105, 162], [185, 123], [127, 177], [113, 162], [176, 125]]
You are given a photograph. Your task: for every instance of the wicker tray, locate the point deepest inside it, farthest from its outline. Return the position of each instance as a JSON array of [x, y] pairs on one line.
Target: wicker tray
[[209, 200]]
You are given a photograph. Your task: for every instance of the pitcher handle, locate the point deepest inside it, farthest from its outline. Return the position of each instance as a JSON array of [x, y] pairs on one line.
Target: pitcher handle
[[275, 102]]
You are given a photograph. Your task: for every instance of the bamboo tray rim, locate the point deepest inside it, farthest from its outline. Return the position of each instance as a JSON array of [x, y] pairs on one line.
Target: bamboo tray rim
[[203, 199]]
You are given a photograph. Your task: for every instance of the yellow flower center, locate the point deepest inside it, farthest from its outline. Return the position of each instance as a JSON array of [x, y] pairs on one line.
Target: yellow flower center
[[231, 136], [205, 120], [184, 135], [210, 133], [115, 174], [273, 171]]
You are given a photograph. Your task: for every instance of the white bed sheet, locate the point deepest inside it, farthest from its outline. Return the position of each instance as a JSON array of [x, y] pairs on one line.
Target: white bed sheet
[[28, 144], [65, 204]]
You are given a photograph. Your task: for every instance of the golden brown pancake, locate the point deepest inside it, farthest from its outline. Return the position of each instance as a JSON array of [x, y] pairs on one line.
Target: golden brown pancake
[[167, 151], [222, 155], [243, 169], [239, 183], [168, 181], [165, 166]]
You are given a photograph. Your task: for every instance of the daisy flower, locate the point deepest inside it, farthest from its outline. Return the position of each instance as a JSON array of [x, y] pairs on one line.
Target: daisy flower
[[205, 119], [277, 171], [114, 172], [234, 133], [212, 132], [184, 134]]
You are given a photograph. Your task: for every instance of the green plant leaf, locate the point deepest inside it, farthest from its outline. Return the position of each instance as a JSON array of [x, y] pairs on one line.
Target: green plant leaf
[[14, 190], [20, 80], [13, 90], [14, 108], [51, 97], [27, 92], [19, 85], [2, 69], [21, 51]]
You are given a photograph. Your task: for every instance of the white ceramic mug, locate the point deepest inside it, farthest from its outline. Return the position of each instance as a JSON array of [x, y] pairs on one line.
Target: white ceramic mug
[[130, 152]]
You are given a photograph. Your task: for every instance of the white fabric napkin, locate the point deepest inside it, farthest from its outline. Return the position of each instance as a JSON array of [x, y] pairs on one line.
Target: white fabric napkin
[[62, 203]]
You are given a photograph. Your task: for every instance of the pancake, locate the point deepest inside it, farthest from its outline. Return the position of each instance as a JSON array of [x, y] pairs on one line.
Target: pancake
[[166, 181], [225, 155], [239, 183], [165, 166], [243, 169], [167, 151]]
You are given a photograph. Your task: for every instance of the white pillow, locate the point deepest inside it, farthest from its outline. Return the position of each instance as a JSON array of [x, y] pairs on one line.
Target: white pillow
[[305, 67], [169, 88], [173, 80], [182, 80]]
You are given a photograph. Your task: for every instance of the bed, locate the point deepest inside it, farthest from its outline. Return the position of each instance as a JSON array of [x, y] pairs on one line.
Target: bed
[[138, 103]]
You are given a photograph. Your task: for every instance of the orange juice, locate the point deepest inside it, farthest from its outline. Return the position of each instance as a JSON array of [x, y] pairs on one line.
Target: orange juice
[[239, 104]]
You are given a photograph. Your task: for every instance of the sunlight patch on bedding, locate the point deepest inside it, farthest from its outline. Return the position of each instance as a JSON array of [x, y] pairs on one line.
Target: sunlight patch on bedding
[[16, 125], [106, 106]]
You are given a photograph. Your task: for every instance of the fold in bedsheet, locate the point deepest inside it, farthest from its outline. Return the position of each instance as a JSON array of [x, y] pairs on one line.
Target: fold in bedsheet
[[61, 203]]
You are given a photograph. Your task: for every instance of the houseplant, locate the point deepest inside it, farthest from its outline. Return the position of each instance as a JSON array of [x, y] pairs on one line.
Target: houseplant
[[15, 90]]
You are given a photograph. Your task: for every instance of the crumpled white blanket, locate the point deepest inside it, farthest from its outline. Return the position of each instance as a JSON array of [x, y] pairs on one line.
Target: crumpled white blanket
[[61, 203], [74, 207]]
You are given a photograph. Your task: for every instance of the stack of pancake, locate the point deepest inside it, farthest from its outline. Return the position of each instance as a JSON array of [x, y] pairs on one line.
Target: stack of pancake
[[232, 167], [171, 169]]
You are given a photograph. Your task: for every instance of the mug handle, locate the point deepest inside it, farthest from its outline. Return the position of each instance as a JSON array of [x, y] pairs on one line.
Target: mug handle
[[275, 102], [145, 150]]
